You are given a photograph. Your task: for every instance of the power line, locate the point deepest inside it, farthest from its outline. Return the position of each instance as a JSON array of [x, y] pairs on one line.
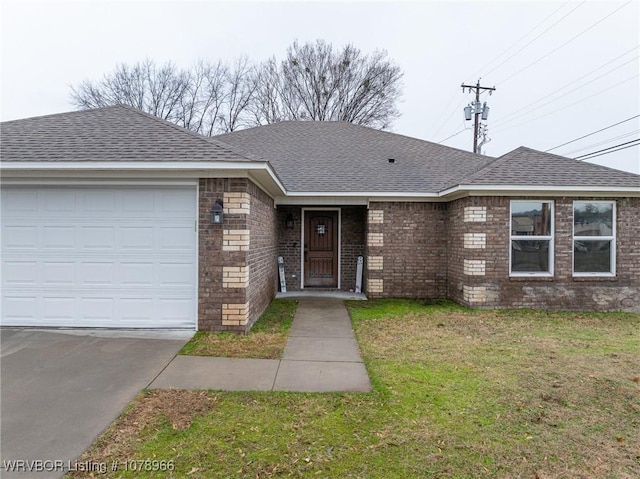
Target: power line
[[453, 111], [549, 28], [475, 75], [603, 142], [609, 152], [593, 133], [635, 142], [455, 134], [565, 43], [503, 120], [497, 57], [568, 106]]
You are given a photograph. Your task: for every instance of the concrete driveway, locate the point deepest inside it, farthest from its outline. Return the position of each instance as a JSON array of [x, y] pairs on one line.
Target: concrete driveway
[[60, 390]]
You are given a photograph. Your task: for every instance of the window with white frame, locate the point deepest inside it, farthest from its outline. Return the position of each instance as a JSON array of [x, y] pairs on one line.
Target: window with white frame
[[531, 252], [594, 238]]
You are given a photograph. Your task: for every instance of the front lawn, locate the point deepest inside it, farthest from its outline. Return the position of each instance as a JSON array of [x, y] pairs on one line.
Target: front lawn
[[266, 340], [457, 394]]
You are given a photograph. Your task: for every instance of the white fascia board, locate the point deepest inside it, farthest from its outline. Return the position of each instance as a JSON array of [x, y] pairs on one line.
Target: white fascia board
[[515, 190], [352, 198], [155, 169], [131, 165], [319, 201], [378, 194]]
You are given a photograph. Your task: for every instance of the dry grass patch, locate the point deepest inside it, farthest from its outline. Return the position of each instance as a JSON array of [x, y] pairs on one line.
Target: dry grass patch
[[266, 340], [150, 412]]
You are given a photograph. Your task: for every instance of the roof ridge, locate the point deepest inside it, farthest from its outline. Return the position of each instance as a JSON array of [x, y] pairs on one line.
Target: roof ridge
[[354, 125]]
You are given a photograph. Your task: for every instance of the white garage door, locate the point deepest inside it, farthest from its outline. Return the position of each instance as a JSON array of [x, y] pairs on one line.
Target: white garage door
[[117, 257]]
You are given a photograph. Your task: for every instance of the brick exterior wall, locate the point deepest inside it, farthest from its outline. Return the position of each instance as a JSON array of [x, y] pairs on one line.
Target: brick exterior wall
[[262, 258], [289, 244], [237, 265], [212, 295], [352, 244], [496, 289], [410, 241]]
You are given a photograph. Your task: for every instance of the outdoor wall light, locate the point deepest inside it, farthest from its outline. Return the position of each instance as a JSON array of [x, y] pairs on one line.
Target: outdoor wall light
[[289, 221], [216, 213]]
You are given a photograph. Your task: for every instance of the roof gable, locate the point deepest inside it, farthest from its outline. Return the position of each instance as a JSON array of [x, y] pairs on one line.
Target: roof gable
[[116, 133]]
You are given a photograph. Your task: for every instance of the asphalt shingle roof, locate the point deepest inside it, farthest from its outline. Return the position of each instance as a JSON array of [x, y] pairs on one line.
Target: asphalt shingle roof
[[116, 133], [314, 156], [307, 156], [526, 167]]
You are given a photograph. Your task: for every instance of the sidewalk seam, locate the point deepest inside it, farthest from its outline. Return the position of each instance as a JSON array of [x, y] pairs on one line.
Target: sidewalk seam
[[275, 377]]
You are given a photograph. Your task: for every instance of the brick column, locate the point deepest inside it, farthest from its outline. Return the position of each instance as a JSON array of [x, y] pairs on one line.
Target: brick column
[[375, 253], [474, 243], [223, 303]]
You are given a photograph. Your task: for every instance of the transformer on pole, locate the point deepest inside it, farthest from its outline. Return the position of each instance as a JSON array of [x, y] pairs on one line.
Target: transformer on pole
[[478, 111]]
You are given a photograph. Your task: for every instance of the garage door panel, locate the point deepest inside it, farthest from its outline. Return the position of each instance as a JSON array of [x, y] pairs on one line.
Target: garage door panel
[[99, 202], [175, 274], [96, 273], [20, 203], [136, 274], [136, 238], [99, 257], [19, 273], [56, 237], [173, 309], [19, 238], [58, 200], [97, 310], [58, 308], [139, 201], [176, 238], [137, 309], [97, 237], [19, 310], [178, 203], [58, 273]]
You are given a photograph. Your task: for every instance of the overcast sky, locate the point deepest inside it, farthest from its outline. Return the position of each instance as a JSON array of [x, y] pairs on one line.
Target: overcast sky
[[561, 70]]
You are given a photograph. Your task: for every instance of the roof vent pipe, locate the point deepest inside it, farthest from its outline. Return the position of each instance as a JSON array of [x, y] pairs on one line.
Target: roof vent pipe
[[392, 160]]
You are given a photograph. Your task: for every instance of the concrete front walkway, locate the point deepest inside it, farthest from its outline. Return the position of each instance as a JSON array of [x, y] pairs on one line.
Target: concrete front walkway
[[321, 355]]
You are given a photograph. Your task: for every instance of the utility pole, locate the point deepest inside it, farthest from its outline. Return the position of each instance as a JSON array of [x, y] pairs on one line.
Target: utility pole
[[477, 110]]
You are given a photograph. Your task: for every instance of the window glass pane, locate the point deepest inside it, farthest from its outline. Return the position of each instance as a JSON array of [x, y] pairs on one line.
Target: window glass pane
[[530, 256], [530, 218], [592, 256], [593, 219]]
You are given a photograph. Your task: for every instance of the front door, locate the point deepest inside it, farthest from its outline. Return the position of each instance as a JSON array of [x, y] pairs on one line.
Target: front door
[[321, 249]]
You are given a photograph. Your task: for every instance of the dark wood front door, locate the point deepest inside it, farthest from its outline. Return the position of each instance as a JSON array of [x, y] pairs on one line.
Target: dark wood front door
[[321, 249]]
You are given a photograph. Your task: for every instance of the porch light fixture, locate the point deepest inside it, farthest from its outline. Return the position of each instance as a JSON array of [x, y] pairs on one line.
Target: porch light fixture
[[289, 221], [216, 213]]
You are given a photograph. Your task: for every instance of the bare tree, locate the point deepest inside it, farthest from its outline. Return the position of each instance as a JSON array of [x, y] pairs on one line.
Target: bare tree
[[313, 82], [203, 102], [210, 98], [155, 89], [239, 95]]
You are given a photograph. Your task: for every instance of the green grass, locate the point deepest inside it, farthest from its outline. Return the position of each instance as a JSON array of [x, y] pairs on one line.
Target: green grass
[[266, 340], [457, 394]]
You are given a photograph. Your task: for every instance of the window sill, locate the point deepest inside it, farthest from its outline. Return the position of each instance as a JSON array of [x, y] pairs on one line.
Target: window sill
[[596, 278], [531, 277]]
